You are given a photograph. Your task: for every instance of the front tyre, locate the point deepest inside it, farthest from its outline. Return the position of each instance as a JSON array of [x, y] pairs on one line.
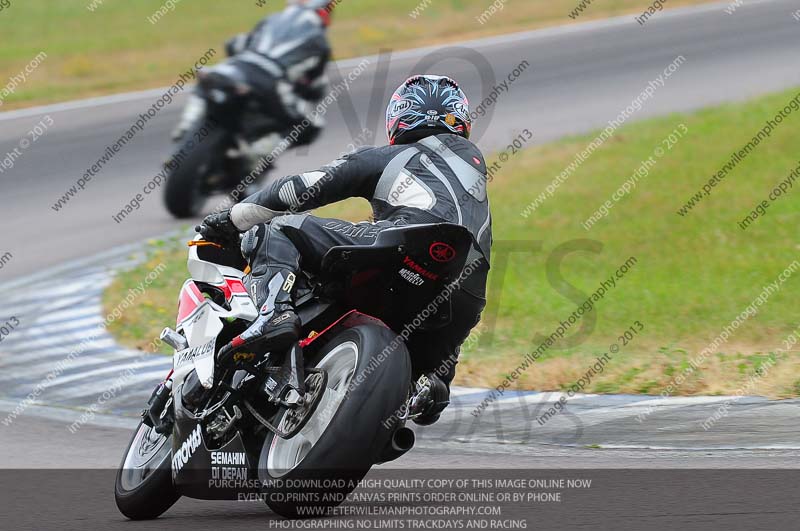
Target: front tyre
[[144, 487], [190, 167], [314, 470]]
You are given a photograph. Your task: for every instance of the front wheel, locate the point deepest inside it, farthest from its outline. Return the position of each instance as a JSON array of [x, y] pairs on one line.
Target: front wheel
[[189, 169], [367, 383], [144, 488]]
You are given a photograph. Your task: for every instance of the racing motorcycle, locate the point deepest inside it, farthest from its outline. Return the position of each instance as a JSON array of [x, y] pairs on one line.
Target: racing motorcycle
[[296, 427], [211, 141]]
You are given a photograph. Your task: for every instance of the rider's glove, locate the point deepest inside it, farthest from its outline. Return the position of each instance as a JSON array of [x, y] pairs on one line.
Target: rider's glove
[[219, 228]]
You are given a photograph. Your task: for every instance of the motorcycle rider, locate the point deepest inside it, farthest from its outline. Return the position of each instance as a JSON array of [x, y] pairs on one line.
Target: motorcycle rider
[[283, 59], [430, 173]]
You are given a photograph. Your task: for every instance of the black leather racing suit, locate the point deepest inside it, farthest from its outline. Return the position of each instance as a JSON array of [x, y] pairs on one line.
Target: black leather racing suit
[[441, 178], [284, 60]]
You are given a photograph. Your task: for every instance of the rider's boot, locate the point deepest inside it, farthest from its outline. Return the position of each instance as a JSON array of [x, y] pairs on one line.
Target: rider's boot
[[277, 326], [433, 396]]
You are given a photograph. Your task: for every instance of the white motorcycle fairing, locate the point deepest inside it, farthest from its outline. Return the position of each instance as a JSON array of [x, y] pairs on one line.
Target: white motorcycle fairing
[[200, 318]]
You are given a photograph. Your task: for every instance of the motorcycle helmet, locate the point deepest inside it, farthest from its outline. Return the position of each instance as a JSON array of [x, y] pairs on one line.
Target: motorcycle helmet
[[324, 8], [427, 105]]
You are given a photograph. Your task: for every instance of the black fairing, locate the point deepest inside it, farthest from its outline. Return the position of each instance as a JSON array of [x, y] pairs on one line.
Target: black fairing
[[396, 277], [198, 475], [222, 256]]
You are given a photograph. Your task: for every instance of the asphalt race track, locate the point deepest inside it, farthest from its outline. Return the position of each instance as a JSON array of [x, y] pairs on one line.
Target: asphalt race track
[[727, 58], [666, 490]]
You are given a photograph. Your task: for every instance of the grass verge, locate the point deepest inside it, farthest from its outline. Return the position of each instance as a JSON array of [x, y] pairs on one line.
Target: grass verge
[[692, 277], [99, 47]]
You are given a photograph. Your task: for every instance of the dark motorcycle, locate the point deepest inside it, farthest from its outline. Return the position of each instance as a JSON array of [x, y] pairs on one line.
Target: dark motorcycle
[[211, 140], [298, 429]]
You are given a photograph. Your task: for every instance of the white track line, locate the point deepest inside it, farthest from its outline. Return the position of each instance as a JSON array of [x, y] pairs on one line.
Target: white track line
[[113, 370], [98, 387], [70, 415]]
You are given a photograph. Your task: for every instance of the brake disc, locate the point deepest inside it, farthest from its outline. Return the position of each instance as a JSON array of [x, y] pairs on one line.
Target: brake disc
[[296, 418]]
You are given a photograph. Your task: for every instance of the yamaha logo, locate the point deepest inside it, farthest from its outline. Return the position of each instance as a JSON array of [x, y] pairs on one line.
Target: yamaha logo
[[442, 252]]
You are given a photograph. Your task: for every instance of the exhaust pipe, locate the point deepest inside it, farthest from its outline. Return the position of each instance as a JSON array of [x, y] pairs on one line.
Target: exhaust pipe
[[402, 440]]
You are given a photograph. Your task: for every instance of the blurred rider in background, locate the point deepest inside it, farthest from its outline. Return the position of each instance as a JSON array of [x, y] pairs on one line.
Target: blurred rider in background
[[283, 59]]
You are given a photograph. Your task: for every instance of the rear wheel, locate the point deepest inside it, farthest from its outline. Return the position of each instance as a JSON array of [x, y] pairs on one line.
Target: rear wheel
[[144, 488], [193, 163], [366, 384]]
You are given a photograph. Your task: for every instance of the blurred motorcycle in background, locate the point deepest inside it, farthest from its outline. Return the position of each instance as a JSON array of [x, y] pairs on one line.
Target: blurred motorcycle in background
[[213, 143]]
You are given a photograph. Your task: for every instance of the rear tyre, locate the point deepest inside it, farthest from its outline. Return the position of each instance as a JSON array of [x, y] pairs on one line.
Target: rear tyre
[[184, 194], [144, 488], [316, 469]]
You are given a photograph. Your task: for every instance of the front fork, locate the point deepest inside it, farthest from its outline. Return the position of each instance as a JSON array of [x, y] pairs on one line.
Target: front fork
[[153, 415]]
